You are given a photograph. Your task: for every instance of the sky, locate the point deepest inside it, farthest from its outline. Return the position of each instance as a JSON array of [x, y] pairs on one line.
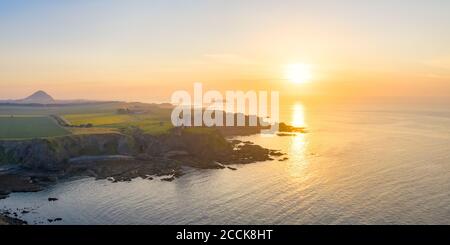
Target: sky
[[138, 50]]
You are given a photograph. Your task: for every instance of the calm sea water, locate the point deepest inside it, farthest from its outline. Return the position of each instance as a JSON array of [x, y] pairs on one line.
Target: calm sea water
[[358, 165]]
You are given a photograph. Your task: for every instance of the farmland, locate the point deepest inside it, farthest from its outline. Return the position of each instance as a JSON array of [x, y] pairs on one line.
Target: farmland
[[23, 127], [149, 123], [23, 122]]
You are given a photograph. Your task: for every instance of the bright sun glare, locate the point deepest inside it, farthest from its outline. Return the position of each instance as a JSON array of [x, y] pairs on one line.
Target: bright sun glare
[[298, 73]]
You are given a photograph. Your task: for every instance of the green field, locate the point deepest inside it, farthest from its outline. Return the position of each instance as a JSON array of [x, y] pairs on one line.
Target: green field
[[153, 123], [23, 127], [34, 121], [59, 110]]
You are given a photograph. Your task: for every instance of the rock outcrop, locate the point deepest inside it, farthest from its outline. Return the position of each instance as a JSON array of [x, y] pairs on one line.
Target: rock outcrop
[[53, 153]]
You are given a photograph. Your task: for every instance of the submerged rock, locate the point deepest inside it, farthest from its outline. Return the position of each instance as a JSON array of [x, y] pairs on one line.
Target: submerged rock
[[54, 220], [276, 153]]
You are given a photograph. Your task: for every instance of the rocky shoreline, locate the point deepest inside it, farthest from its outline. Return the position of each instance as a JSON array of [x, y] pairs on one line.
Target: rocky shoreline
[[125, 169], [120, 157]]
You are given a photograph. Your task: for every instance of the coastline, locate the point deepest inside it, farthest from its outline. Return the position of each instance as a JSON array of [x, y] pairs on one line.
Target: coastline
[[119, 157], [122, 157]]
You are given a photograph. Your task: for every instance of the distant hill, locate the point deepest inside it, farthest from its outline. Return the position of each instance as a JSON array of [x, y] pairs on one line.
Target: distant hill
[[39, 97], [42, 98]]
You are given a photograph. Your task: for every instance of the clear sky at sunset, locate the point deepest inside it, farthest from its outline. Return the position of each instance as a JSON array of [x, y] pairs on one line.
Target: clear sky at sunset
[[144, 50]]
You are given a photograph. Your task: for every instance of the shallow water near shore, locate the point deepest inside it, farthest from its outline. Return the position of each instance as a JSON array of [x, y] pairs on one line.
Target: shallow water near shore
[[360, 165]]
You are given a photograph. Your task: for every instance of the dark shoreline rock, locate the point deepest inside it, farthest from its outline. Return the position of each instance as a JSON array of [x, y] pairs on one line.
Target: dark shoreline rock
[[18, 182], [168, 179], [6, 220]]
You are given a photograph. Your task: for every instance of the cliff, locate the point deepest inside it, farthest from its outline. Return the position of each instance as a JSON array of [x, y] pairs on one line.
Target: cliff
[[53, 153]]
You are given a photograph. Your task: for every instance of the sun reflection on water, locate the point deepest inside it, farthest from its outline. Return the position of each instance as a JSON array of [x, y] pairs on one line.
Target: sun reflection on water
[[298, 144], [298, 115]]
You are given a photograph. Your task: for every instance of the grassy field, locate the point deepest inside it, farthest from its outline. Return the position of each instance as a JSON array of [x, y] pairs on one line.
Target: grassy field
[[23, 127], [150, 123], [93, 108], [99, 119], [34, 121], [59, 110]]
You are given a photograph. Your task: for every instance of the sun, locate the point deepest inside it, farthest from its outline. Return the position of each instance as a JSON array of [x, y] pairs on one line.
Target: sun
[[298, 73]]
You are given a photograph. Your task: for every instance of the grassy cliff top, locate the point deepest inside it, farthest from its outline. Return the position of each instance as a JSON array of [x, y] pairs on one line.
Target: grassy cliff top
[[24, 127]]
